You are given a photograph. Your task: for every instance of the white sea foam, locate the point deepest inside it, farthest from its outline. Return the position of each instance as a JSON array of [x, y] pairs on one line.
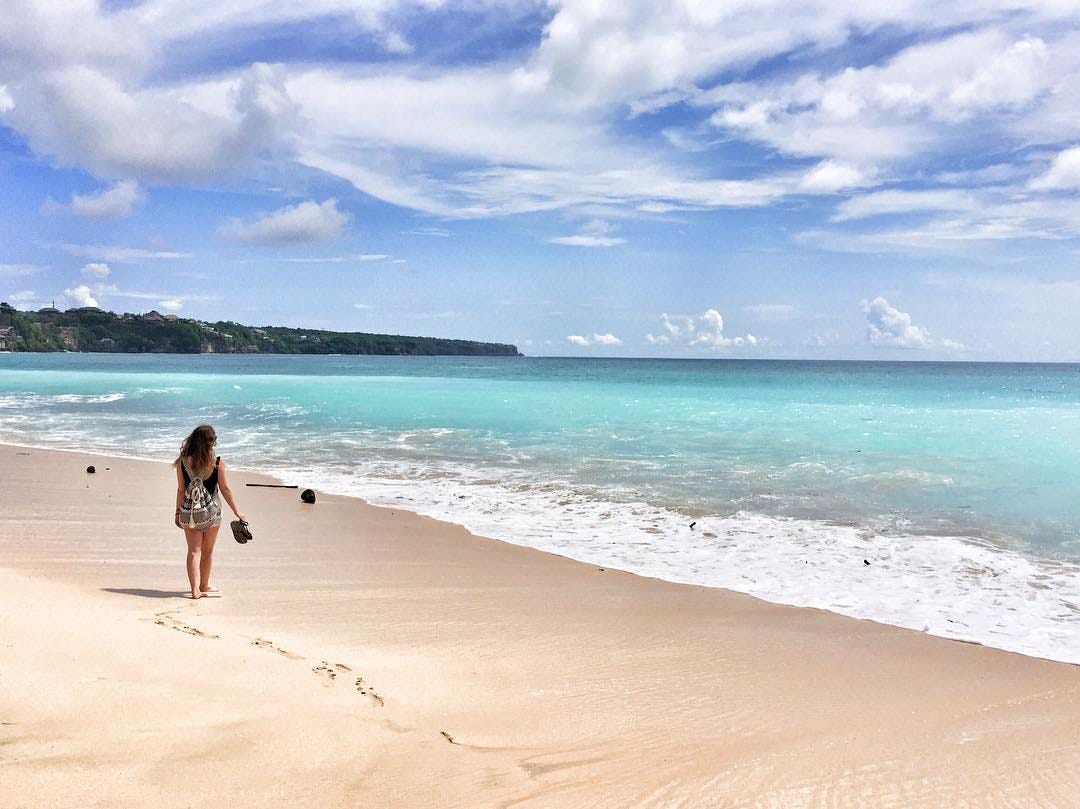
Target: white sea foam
[[82, 398], [32, 400], [949, 586], [953, 587]]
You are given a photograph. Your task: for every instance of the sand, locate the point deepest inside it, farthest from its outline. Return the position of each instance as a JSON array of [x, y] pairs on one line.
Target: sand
[[361, 656]]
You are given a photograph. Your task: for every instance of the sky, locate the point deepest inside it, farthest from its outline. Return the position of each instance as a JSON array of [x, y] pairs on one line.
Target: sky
[[690, 178]]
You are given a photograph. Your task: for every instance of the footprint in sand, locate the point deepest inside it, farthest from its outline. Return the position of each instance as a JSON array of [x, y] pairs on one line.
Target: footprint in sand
[[263, 643], [367, 691], [325, 674], [167, 619]]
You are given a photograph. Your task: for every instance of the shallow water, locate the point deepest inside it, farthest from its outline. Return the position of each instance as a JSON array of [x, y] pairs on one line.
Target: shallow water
[[958, 483]]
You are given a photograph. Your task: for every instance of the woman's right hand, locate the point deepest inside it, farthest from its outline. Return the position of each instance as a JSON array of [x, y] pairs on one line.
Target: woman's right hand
[[176, 520]]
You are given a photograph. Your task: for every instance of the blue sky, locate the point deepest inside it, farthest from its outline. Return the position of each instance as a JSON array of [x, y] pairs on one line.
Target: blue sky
[[578, 177]]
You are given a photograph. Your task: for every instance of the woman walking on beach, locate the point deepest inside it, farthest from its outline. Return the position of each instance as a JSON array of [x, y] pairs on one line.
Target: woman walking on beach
[[198, 466]]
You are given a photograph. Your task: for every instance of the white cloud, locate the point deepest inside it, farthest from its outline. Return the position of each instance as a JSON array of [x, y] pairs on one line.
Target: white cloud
[[201, 18], [702, 331], [596, 339], [179, 133], [606, 340], [1063, 174], [831, 175], [381, 129], [18, 270], [987, 175], [111, 203], [889, 327], [25, 299], [582, 240], [346, 259], [1035, 299], [504, 190], [911, 104], [362, 306], [637, 49], [881, 203], [95, 270], [710, 330], [955, 220], [772, 312], [167, 301], [81, 296], [821, 340], [596, 233], [114, 253], [305, 223], [438, 233], [100, 86]]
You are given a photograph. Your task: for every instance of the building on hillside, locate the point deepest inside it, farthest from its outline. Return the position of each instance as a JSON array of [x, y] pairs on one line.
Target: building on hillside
[[69, 336], [153, 316], [49, 310], [8, 336], [172, 318]]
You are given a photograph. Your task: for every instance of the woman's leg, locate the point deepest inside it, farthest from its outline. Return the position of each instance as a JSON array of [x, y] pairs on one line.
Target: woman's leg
[[194, 546], [209, 537]]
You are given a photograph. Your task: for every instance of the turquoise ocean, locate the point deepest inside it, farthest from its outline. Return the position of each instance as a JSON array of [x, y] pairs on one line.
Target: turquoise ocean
[[940, 497]]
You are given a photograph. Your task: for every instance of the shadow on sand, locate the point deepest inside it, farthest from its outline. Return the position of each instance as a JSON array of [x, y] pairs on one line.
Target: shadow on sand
[[146, 593]]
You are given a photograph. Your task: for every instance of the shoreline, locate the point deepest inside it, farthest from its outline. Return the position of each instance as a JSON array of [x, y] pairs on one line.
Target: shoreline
[[368, 655], [977, 553]]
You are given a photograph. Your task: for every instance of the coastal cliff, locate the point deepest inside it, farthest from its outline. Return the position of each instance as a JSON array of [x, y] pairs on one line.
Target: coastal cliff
[[91, 330]]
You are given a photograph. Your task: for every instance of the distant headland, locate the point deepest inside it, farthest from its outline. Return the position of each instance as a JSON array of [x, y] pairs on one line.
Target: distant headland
[[90, 329]]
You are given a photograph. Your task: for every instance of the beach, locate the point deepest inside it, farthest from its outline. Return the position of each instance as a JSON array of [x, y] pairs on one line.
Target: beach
[[363, 656], [690, 392]]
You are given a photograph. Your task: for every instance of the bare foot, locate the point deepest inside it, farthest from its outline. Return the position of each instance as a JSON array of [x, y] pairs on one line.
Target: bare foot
[[196, 595], [205, 590]]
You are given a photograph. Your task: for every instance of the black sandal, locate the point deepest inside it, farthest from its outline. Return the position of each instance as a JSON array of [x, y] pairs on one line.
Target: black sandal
[[240, 531]]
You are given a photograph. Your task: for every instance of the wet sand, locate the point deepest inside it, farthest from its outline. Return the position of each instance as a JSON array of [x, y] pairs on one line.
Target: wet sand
[[362, 656]]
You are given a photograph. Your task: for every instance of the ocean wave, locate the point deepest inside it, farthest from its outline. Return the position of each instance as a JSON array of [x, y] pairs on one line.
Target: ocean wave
[[918, 476], [177, 389], [950, 586], [15, 402], [29, 400], [879, 569], [84, 398]]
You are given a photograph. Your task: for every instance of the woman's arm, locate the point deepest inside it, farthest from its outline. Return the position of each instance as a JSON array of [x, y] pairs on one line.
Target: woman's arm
[[180, 489], [226, 492]]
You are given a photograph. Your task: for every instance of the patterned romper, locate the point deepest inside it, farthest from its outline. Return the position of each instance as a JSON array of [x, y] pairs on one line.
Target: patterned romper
[[210, 482]]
